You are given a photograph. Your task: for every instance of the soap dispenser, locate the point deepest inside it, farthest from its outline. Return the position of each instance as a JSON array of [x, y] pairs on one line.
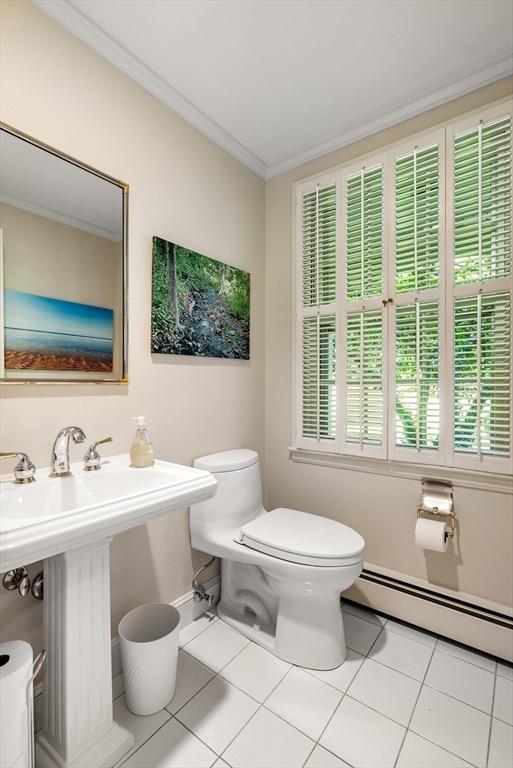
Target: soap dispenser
[[141, 452]]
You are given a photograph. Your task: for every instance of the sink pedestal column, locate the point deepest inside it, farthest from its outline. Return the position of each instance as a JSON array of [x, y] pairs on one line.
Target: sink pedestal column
[[78, 729]]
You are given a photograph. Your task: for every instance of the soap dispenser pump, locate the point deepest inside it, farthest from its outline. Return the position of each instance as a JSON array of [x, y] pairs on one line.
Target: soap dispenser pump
[[141, 452]]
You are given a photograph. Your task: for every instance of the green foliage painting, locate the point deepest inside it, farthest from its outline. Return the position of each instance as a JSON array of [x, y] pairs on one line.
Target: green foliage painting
[[199, 306]]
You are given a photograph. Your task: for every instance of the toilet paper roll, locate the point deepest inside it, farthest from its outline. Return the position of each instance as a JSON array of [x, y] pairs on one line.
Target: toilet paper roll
[[431, 534], [15, 673], [15, 705]]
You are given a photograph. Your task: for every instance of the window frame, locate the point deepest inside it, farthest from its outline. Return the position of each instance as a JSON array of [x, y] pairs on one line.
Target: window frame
[[388, 452]]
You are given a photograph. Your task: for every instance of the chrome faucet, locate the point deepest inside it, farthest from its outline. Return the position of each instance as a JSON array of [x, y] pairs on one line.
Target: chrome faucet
[[59, 461]]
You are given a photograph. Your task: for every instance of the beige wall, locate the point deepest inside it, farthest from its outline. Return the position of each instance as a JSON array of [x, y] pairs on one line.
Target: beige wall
[[381, 508], [45, 257], [183, 188]]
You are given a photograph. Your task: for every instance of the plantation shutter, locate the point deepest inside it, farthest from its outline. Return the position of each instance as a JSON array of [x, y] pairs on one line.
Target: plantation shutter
[[404, 300], [365, 234], [416, 362], [482, 374], [319, 399], [481, 262], [417, 262], [317, 316], [364, 333], [364, 378], [416, 375], [482, 202]]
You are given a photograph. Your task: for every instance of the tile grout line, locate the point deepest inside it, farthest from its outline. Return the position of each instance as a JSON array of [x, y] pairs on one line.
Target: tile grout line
[[214, 675], [455, 698], [500, 720], [491, 719], [415, 705], [131, 754], [467, 648], [435, 744], [261, 705], [210, 624], [344, 694], [217, 755]]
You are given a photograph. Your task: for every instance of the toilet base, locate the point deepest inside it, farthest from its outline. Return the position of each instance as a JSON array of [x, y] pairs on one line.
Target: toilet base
[[245, 624], [319, 650]]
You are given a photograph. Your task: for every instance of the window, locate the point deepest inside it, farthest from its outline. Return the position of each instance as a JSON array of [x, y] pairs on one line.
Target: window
[[403, 302]]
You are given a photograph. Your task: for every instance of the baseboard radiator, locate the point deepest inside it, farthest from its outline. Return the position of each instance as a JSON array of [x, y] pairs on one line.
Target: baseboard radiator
[[477, 623]]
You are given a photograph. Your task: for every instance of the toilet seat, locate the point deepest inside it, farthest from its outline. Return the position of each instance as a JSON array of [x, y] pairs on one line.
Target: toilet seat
[[300, 537]]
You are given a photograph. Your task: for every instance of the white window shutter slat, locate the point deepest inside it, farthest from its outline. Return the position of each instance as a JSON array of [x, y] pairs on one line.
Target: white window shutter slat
[[316, 319], [364, 234], [364, 378], [482, 202], [318, 380], [482, 375], [417, 386], [319, 221], [417, 260]]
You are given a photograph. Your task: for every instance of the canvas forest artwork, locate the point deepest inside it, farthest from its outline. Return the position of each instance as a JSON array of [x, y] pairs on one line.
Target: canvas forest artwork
[[46, 334], [199, 306]]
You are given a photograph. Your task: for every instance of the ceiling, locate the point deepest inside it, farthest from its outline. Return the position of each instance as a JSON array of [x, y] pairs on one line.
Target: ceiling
[[75, 196], [279, 82]]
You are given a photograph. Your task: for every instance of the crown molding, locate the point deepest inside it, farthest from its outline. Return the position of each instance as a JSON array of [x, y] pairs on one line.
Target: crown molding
[[61, 218], [437, 95], [79, 25]]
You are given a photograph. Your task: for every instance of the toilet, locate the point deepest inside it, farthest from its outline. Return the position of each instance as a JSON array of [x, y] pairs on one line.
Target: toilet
[[282, 571]]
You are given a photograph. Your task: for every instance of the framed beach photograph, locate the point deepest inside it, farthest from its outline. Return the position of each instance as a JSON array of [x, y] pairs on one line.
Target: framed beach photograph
[[42, 333], [200, 306]]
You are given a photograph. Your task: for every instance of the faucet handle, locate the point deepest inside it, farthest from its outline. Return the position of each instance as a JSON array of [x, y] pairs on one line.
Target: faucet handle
[[25, 470], [92, 458]]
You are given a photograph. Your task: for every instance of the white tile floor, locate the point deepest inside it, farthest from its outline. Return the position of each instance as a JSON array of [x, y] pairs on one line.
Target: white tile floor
[[403, 698]]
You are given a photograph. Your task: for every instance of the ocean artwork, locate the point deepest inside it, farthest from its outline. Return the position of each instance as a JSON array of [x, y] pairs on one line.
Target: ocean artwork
[[200, 306], [46, 334]]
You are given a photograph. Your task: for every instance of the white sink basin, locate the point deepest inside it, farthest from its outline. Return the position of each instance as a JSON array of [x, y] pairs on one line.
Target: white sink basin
[[53, 515], [69, 522]]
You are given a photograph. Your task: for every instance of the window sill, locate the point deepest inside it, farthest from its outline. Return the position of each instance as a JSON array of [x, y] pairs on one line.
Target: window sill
[[460, 478]]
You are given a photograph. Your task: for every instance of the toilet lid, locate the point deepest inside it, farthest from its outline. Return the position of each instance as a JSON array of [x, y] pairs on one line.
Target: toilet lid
[[303, 538], [227, 461]]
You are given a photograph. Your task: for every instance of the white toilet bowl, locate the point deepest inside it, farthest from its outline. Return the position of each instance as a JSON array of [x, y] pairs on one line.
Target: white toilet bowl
[[282, 571]]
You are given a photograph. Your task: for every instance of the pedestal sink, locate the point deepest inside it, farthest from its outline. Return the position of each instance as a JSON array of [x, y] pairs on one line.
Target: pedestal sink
[[69, 522]]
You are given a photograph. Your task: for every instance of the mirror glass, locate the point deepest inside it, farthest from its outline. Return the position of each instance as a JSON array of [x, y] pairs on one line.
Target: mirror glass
[[62, 266]]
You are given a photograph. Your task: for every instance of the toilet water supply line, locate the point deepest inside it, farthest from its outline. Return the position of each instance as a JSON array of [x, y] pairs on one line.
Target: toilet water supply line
[[199, 591]]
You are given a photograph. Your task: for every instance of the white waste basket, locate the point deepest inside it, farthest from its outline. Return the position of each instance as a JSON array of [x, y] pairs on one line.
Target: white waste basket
[[149, 654]]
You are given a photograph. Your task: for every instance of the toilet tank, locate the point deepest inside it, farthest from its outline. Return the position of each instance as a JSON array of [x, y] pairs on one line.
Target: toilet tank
[[238, 498]]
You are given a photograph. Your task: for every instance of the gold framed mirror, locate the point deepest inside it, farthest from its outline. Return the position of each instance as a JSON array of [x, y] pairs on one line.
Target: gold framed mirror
[[63, 266]]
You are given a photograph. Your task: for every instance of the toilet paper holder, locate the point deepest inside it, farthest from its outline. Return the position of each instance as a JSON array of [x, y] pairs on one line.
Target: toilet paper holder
[[437, 499]]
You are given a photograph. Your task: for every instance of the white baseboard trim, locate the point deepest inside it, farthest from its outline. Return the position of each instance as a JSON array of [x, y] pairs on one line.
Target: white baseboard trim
[[477, 623], [189, 611]]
